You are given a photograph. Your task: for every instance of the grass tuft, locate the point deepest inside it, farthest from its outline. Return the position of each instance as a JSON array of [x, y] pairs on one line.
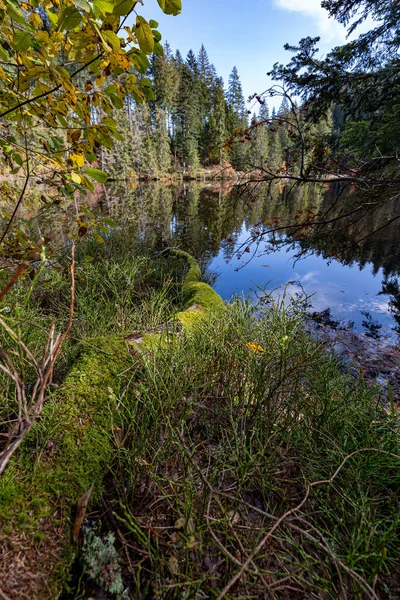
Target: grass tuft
[[248, 471]]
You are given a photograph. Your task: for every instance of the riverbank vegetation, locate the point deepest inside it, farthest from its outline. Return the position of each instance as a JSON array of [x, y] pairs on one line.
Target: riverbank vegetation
[[236, 453]]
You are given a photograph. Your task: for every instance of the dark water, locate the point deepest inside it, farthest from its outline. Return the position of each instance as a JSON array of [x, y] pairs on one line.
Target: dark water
[[350, 273]]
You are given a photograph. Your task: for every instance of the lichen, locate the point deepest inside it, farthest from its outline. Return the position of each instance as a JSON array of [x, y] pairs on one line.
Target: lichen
[[101, 562]]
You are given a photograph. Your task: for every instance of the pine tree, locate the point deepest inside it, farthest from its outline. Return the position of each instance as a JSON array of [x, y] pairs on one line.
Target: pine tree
[[260, 135], [191, 63], [207, 76], [162, 142], [283, 129], [204, 66], [275, 148], [187, 116], [148, 166], [237, 121], [234, 95], [215, 129], [165, 82], [125, 158]]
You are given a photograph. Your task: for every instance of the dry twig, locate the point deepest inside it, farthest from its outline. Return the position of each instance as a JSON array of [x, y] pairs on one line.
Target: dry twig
[[30, 404]]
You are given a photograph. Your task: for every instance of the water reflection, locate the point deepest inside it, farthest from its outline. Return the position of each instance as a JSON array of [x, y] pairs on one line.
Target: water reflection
[[351, 270]]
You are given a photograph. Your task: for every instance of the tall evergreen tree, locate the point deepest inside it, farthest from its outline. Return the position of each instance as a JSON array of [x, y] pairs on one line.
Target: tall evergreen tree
[[207, 76], [162, 142], [149, 164], [234, 95], [237, 120], [260, 135], [216, 132], [187, 114], [124, 159], [165, 83]]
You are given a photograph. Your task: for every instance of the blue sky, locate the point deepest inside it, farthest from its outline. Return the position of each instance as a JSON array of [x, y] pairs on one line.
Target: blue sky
[[247, 33]]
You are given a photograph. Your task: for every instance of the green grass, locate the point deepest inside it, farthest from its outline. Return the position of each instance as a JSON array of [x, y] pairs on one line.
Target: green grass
[[72, 441], [124, 287], [270, 473], [221, 442]]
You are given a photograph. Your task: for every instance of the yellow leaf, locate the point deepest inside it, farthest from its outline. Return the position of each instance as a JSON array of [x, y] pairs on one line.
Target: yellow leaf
[[173, 565], [256, 348], [76, 178], [35, 20], [120, 60], [78, 160], [144, 35], [180, 523], [192, 542]]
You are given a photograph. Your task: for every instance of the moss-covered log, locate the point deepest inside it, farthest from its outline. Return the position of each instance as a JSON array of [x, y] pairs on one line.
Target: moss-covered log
[[69, 448]]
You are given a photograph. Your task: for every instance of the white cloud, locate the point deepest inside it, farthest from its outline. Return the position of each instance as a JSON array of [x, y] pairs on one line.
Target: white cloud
[[329, 29], [310, 277]]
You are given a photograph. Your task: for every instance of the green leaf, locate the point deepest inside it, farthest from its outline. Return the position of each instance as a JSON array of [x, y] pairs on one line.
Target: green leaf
[[112, 39], [87, 184], [109, 222], [153, 24], [17, 158], [123, 7], [22, 41], [70, 19], [87, 212], [145, 86], [109, 122], [3, 54], [97, 175], [110, 89], [141, 60], [83, 5], [157, 35], [170, 7], [144, 35], [17, 15], [158, 49], [116, 100], [53, 17], [103, 6]]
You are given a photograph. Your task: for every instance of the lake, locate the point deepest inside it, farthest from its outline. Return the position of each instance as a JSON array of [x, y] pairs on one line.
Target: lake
[[349, 269]]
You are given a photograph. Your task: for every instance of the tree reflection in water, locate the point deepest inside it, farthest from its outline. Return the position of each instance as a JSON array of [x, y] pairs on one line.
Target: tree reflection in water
[[219, 219]]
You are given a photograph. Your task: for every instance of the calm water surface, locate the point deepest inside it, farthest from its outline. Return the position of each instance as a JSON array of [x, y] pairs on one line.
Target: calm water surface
[[347, 269]]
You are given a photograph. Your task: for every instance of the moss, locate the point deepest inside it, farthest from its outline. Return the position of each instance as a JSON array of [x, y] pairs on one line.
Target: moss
[[71, 445], [196, 292], [202, 295], [69, 448], [191, 318]]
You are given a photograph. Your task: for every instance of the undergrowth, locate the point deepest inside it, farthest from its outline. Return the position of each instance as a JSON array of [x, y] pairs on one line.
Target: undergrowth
[[251, 466], [121, 287], [247, 462]]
